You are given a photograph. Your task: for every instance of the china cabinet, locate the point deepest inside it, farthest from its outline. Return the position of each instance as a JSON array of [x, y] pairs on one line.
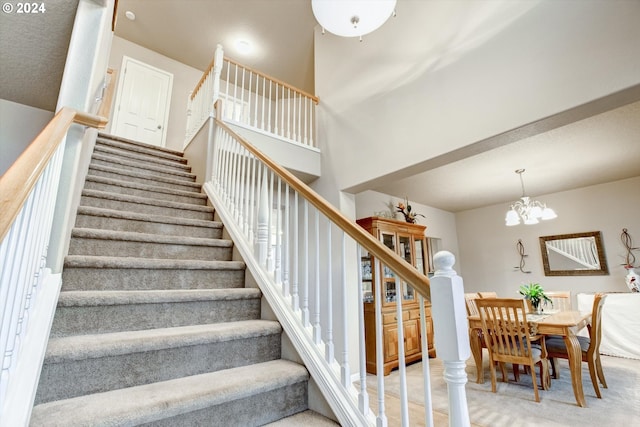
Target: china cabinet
[[409, 242]]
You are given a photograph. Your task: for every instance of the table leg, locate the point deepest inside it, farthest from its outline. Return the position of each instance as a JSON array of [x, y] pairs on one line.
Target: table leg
[[476, 351], [574, 353]]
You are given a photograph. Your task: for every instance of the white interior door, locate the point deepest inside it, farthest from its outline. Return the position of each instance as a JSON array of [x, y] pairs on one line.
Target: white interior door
[[142, 102]]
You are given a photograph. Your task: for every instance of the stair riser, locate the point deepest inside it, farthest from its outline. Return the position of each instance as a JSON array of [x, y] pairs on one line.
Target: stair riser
[[119, 224], [142, 168], [142, 180], [75, 378], [131, 156], [100, 247], [265, 407], [92, 185], [118, 318], [137, 149], [146, 209], [111, 279]]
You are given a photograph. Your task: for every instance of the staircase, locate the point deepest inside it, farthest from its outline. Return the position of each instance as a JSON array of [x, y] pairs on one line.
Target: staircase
[[154, 324]]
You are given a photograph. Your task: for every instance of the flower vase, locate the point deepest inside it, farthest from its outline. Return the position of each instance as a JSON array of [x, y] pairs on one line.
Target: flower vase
[[632, 280]]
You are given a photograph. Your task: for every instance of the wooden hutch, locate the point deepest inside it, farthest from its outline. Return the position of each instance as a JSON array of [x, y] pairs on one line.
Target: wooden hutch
[[409, 242]]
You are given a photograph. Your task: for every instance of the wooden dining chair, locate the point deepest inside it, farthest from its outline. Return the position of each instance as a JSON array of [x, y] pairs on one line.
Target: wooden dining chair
[[556, 347], [561, 300], [505, 327]]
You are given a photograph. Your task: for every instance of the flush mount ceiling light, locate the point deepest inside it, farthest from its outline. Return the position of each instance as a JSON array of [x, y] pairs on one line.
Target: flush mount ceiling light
[[527, 209], [243, 46], [352, 18], [130, 15]]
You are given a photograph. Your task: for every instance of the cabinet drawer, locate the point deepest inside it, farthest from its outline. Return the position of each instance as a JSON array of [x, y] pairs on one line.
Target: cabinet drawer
[[414, 314], [388, 318]]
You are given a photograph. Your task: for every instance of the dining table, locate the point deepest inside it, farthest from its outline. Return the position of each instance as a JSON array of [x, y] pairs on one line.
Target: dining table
[[562, 323]]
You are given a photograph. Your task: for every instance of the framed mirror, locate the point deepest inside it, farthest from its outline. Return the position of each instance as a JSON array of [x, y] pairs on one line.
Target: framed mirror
[[578, 254]]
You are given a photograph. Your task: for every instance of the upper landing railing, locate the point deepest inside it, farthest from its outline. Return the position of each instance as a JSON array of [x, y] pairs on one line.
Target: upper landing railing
[[254, 100]]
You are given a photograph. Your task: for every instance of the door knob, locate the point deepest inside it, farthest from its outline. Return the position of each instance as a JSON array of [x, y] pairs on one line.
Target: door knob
[[159, 127]]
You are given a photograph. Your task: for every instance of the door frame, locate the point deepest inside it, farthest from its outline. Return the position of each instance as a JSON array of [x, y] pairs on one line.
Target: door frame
[[121, 79]]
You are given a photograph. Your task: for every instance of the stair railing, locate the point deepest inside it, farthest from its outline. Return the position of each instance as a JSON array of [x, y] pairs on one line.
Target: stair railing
[[253, 100], [28, 192], [305, 256]]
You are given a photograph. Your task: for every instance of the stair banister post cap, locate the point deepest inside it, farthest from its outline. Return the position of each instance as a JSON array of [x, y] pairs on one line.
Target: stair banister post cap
[[443, 262]]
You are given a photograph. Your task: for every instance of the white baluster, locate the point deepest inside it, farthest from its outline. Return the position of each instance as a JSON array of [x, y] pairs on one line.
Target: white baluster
[[270, 261], [250, 90], [253, 185], [289, 116], [451, 333], [329, 347], [426, 374], [295, 278], [287, 244], [299, 133], [275, 121], [264, 99], [317, 338], [262, 229], [402, 371], [345, 369], [381, 419], [306, 106], [268, 128], [305, 266], [363, 396], [277, 274]]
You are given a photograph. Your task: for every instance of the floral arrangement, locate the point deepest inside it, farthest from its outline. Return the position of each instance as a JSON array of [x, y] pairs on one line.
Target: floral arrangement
[[405, 209], [534, 293]]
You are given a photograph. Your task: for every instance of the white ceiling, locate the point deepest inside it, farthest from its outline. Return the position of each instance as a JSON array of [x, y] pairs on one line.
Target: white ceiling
[[593, 144]]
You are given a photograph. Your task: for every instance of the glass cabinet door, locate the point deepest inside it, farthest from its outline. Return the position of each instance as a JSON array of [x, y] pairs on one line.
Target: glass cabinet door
[[367, 277], [388, 277], [405, 251], [420, 255]]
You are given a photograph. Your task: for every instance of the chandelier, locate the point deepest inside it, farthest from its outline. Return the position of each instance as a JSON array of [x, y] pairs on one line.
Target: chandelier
[[527, 209], [352, 18]]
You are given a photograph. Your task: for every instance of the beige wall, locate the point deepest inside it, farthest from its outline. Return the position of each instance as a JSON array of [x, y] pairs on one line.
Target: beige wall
[[19, 125], [184, 80], [488, 248]]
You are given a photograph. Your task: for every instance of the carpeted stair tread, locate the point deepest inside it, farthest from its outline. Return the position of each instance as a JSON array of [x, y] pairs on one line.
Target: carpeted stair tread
[[140, 145], [97, 298], [156, 179], [98, 158], [103, 262], [135, 216], [306, 418], [82, 347], [153, 402], [135, 156], [145, 187], [130, 236], [145, 201]]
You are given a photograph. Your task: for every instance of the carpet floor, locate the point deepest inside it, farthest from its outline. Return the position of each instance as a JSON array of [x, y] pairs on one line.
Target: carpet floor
[[513, 404]]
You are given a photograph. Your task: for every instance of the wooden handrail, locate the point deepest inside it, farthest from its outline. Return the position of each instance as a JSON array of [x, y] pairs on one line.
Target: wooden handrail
[[314, 98], [405, 270], [18, 181], [202, 79], [107, 99]]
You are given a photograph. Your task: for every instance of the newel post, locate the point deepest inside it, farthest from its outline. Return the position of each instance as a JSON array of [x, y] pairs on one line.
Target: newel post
[[451, 333], [218, 60]]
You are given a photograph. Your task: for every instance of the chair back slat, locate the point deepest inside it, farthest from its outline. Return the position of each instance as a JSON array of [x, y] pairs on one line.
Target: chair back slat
[[470, 302]]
